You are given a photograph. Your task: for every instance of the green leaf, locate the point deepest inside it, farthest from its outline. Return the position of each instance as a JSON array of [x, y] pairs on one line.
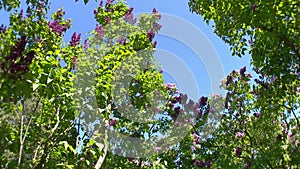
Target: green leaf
[[49, 80], [35, 86]]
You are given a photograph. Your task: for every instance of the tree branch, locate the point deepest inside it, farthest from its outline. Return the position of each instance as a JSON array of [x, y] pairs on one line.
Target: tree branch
[[105, 149], [21, 141], [22, 138]]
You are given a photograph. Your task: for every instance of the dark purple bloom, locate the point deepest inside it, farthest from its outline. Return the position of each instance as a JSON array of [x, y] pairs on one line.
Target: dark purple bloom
[[228, 80], [112, 122], [203, 101], [95, 12], [74, 60], [242, 71], [2, 28], [238, 151], [28, 11], [150, 35], [199, 163], [107, 19], [257, 114], [157, 26], [154, 10], [130, 9], [29, 57], [57, 27], [253, 7], [257, 81], [249, 164], [60, 13], [154, 44], [279, 137], [101, 4], [21, 14], [75, 39], [177, 109]]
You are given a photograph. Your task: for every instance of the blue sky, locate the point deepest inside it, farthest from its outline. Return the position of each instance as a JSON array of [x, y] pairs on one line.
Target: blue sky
[[83, 21]]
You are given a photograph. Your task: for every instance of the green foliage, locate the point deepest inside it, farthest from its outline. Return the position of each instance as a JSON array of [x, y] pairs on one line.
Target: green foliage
[[265, 113], [36, 109]]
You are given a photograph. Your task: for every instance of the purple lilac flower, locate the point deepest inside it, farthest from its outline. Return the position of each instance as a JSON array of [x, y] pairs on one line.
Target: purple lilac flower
[[95, 12], [157, 26], [199, 163], [99, 31], [107, 19], [257, 114], [101, 4], [3, 28], [242, 71], [238, 151], [112, 122], [150, 35], [240, 134], [86, 44], [193, 148], [57, 27], [75, 39], [203, 101], [21, 14], [249, 164]]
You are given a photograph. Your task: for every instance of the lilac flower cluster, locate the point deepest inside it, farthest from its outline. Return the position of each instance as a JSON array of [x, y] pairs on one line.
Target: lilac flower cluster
[[240, 134], [203, 101], [16, 64], [238, 151], [99, 31], [2, 28], [57, 27], [151, 35], [154, 11], [157, 26], [199, 163], [122, 40], [129, 17], [75, 39]]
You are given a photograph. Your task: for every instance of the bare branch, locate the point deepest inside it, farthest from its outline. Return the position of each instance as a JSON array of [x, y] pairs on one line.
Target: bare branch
[[21, 141], [105, 149]]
